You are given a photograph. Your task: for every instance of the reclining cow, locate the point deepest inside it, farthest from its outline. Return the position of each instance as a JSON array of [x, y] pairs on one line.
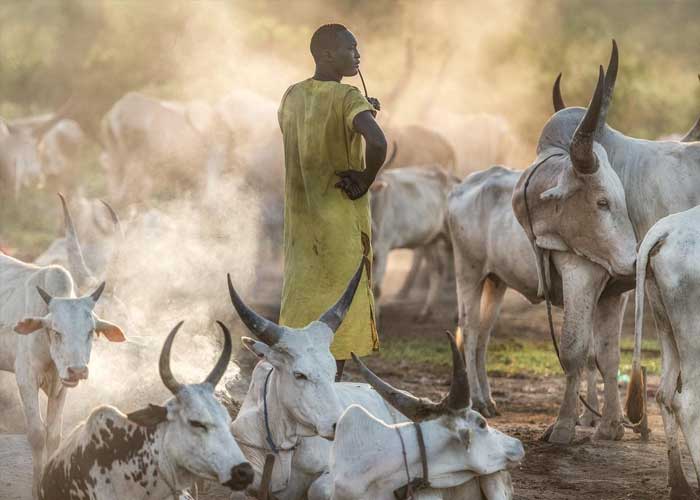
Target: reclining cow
[[294, 385], [372, 459], [46, 335], [408, 211], [572, 206], [154, 452]]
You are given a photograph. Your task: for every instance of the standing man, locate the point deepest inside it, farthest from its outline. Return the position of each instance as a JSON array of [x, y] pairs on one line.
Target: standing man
[[326, 216]]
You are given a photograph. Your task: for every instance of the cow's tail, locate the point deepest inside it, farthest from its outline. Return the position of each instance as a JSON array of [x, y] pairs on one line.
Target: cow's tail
[[634, 405]]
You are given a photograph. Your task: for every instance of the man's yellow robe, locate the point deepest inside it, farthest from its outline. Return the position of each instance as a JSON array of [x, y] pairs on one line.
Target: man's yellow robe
[[325, 233]]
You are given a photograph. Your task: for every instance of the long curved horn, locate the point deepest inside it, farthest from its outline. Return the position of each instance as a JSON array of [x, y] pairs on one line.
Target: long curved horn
[[610, 78], [164, 363], [582, 157], [334, 316], [221, 365], [263, 328], [459, 395], [556, 95], [411, 406], [76, 262], [95, 296], [115, 218]]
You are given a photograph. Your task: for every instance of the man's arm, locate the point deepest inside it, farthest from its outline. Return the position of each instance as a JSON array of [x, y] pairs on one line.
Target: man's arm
[[355, 183]]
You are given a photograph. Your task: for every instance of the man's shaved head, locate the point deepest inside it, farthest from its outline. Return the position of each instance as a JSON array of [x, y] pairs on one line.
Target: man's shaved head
[[325, 38]]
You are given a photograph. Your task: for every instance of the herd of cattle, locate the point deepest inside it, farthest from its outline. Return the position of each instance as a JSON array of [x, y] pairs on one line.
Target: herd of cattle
[[565, 230]]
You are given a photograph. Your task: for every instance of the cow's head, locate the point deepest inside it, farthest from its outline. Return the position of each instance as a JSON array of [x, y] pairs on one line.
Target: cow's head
[[575, 200], [465, 440], [70, 325], [198, 438], [304, 368]]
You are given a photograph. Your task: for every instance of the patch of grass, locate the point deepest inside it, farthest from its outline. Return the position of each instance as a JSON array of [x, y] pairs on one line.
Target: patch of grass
[[510, 357]]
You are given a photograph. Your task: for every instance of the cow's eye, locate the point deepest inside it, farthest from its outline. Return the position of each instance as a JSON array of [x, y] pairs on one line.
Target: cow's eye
[[197, 424], [482, 424], [57, 335], [300, 376], [603, 204]]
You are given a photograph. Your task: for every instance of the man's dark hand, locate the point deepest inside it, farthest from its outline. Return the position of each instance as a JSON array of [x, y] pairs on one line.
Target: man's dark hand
[[354, 183], [375, 103]]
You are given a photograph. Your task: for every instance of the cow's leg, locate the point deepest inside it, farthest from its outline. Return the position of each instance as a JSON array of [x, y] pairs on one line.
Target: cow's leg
[[437, 265], [582, 283], [469, 303], [417, 260], [665, 395], [608, 326], [29, 392], [54, 418], [588, 418], [491, 300]]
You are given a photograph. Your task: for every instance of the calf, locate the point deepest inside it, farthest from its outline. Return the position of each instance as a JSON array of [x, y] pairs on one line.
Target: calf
[[372, 459], [154, 452], [667, 268], [408, 211], [50, 346]]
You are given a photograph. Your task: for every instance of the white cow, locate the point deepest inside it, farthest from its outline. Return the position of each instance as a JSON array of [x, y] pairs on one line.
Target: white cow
[[149, 143], [408, 211], [492, 253], [372, 459], [46, 335], [154, 452], [294, 384], [667, 268]]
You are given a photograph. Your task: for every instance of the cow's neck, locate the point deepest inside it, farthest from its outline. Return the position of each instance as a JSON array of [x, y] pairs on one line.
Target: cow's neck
[[650, 172]]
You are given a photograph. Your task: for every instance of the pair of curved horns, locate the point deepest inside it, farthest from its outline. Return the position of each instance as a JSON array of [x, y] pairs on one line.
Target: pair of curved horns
[[270, 332], [94, 296], [421, 408], [166, 375]]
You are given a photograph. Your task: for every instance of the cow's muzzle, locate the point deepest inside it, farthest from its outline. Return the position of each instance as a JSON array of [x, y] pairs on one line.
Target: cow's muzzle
[[241, 476]]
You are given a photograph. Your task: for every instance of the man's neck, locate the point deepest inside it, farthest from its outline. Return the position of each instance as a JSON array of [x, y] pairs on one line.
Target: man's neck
[[326, 75]]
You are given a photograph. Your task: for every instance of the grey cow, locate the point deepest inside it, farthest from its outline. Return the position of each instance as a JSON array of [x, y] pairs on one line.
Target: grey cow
[[492, 253], [573, 208]]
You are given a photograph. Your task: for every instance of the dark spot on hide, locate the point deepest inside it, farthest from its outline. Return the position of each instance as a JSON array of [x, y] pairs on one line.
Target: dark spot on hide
[[111, 445]]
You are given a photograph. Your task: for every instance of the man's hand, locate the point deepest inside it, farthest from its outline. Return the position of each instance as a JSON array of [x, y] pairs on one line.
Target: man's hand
[[354, 183], [375, 103]]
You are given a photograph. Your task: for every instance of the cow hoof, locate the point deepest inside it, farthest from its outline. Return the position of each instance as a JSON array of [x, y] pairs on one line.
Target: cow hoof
[[491, 409], [481, 407], [588, 419], [562, 432], [682, 492], [612, 431]]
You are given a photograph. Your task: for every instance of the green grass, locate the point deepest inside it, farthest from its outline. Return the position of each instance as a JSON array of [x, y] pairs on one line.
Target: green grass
[[509, 358]]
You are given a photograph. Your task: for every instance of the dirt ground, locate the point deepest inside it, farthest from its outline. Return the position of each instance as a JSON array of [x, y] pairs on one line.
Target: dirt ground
[[590, 470]]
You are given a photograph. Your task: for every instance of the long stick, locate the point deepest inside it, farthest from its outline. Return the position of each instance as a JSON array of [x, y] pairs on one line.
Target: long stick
[[365, 86], [264, 492]]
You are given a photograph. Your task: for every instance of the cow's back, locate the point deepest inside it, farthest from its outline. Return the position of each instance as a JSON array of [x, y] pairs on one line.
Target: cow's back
[[485, 232]]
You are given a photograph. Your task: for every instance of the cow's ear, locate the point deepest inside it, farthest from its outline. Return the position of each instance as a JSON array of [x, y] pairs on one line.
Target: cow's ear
[[29, 325], [111, 331], [149, 416], [551, 241], [260, 349], [566, 187]]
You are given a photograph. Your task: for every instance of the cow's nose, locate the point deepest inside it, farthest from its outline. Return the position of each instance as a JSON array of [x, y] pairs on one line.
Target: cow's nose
[[241, 476], [78, 372]]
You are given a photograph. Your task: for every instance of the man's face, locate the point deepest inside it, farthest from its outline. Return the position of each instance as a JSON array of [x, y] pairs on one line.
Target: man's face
[[345, 59]]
